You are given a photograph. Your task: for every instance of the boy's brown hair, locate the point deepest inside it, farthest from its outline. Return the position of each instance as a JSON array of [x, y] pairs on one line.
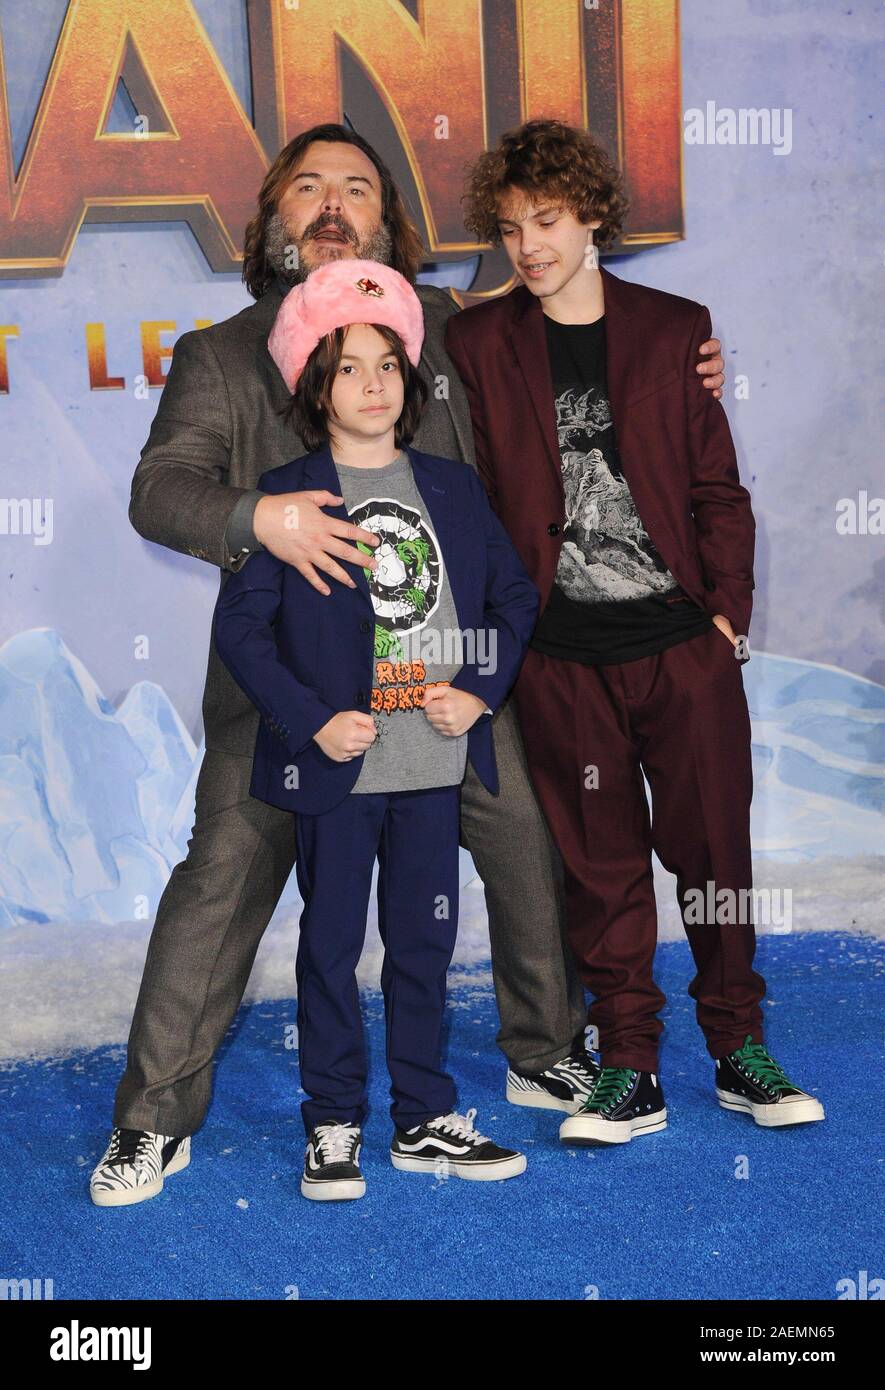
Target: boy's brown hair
[[311, 402], [545, 158]]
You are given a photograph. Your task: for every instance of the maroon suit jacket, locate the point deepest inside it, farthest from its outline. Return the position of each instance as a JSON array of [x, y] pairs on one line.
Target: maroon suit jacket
[[673, 438]]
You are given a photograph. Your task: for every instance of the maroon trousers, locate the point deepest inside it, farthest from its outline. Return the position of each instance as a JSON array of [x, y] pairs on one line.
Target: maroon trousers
[[590, 732]]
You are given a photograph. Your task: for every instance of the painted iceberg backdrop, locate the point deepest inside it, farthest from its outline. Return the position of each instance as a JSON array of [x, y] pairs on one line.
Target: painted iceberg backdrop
[[97, 800]]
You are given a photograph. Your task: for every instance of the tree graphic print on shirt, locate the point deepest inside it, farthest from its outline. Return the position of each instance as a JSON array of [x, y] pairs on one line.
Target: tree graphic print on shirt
[[607, 555], [613, 597]]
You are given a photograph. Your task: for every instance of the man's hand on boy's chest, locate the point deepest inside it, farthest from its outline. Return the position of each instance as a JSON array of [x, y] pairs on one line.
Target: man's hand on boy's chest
[[295, 528]]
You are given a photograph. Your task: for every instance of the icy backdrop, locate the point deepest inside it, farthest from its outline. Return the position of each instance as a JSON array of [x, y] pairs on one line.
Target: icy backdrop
[[96, 803], [96, 807]]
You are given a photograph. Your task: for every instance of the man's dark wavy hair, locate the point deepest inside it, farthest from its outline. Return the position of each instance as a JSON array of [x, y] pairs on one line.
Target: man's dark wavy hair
[[407, 249]]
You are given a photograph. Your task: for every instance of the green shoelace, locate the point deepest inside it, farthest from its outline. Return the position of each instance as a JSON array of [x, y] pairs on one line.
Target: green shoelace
[[762, 1066], [609, 1085]]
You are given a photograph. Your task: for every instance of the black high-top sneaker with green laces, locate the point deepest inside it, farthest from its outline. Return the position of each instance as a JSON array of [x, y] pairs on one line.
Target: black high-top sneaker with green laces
[[749, 1079], [623, 1102]]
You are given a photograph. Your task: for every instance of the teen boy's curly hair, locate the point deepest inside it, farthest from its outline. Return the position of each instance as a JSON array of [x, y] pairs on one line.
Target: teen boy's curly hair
[[546, 159], [311, 402]]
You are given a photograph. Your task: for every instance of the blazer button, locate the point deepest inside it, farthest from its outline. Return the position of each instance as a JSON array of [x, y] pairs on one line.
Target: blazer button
[[361, 697], [553, 529], [365, 625]]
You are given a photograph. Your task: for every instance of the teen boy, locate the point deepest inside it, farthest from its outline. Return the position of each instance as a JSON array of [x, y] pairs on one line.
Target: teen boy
[[615, 475]]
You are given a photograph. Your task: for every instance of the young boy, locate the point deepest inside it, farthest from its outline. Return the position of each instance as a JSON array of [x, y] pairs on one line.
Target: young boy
[[372, 699], [615, 475]]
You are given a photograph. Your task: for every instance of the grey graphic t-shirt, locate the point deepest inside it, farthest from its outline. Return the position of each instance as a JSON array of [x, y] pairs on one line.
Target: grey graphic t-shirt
[[416, 631]]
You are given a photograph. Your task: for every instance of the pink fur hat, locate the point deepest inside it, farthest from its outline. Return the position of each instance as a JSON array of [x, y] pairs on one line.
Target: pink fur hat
[[338, 293]]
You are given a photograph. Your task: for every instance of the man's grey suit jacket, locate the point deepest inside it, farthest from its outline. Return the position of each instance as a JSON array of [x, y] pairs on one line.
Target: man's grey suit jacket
[[218, 428]]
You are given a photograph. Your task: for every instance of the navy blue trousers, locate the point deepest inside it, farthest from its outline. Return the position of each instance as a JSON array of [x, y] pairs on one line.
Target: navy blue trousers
[[415, 837]]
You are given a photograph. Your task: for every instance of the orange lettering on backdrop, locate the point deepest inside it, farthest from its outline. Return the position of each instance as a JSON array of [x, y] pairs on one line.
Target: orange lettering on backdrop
[[551, 67], [97, 361], [652, 122], [195, 156], [199, 157], [153, 351], [7, 330], [428, 71]]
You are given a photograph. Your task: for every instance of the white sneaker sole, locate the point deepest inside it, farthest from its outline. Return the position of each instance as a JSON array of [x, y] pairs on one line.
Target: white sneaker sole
[[540, 1100], [128, 1196], [792, 1112], [341, 1190], [588, 1130], [470, 1169]]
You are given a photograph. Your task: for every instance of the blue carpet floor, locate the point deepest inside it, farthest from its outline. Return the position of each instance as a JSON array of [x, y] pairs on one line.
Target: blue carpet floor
[[664, 1217]]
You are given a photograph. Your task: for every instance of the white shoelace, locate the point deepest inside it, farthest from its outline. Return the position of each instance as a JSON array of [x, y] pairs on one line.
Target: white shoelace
[[334, 1141], [460, 1125]]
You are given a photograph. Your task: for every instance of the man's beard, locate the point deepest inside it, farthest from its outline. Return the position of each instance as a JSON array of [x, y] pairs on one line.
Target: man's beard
[[282, 250]]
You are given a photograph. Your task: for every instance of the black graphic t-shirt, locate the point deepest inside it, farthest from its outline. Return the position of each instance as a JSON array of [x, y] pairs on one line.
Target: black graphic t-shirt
[[613, 598]]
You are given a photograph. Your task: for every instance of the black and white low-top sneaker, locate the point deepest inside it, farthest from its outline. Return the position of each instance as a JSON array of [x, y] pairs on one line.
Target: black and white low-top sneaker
[[134, 1166], [623, 1103], [450, 1145], [749, 1079], [332, 1163], [564, 1086]]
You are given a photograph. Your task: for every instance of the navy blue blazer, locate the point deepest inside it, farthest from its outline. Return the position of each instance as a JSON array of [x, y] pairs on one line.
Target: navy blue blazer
[[302, 656]]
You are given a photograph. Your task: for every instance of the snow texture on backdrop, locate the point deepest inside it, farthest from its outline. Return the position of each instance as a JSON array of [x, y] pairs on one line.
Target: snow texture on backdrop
[[97, 805]]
